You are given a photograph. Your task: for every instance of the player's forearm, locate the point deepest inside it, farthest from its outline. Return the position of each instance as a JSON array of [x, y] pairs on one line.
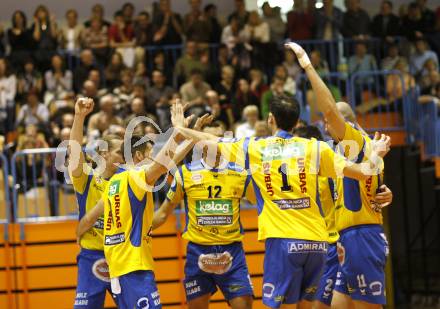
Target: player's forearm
[[89, 219], [363, 171], [326, 103], [162, 214], [76, 137]]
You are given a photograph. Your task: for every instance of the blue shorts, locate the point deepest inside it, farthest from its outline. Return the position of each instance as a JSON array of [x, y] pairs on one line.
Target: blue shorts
[[362, 252], [93, 280], [138, 290], [235, 282], [324, 294], [292, 269]]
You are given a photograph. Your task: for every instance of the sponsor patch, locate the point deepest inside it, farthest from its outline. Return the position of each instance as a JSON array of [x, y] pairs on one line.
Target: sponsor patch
[[279, 151], [115, 239], [114, 188], [215, 263], [299, 203], [299, 247], [341, 253], [197, 178], [214, 212], [100, 270], [268, 289]]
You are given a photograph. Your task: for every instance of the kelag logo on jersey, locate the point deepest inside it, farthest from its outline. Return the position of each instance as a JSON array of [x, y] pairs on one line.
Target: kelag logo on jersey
[[279, 151], [114, 188], [214, 212]]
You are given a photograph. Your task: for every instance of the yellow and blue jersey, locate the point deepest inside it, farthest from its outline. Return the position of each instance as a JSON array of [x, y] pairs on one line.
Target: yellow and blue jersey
[[284, 174], [212, 201], [353, 205], [88, 191], [128, 218]]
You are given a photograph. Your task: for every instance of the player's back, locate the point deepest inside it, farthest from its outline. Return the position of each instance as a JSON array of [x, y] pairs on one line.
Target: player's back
[[128, 215], [284, 174], [353, 205]]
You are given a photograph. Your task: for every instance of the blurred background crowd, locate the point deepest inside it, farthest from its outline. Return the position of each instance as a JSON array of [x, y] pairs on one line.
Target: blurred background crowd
[[137, 63]]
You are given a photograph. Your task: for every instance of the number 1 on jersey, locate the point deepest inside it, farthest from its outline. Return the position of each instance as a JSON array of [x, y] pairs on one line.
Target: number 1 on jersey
[[284, 176]]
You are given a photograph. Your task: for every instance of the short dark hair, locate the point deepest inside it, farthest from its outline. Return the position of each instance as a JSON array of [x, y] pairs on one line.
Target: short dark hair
[[135, 139], [308, 132], [145, 13], [196, 71], [389, 3], [209, 7], [286, 111], [118, 14]]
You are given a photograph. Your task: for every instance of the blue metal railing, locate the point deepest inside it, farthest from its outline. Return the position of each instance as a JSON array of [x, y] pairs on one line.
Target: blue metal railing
[[4, 165], [429, 119]]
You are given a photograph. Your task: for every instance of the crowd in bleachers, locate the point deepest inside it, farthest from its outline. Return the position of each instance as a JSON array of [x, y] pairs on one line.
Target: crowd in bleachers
[[46, 63]]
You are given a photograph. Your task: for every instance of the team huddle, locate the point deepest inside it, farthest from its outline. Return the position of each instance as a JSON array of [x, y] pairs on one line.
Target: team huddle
[[319, 210]]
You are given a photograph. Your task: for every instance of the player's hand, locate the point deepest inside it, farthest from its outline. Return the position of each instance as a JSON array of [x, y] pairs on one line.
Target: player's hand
[[84, 106], [384, 197], [203, 121], [381, 144], [300, 53], [177, 116]]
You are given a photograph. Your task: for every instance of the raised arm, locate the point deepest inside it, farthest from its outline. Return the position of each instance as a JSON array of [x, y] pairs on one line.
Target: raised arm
[[83, 107], [89, 219], [325, 100]]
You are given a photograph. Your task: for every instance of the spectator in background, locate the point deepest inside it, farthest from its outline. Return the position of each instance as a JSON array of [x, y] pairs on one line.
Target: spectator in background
[[2, 41], [158, 96], [44, 33], [121, 38], [362, 61], [160, 64], [210, 12], [276, 89], [187, 63], [193, 92], [226, 92], [289, 83], [196, 25], [258, 85], [33, 112], [430, 81], [81, 72], [394, 86], [244, 97], [320, 64], [124, 93], [90, 90], [385, 25], [421, 55], [29, 79], [167, 25], [143, 30], [95, 38], [389, 62], [113, 70], [101, 121], [19, 39], [328, 21], [300, 22], [95, 77], [427, 16], [256, 30], [355, 21], [137, 108], [58, 81], [213, 104], [141, 76], [70, 33], [291, 64], [240, 14], [261, 129], [98, 14], [276, 25], [412, 25], [231, 34], [8, 86], [247, 129], [128, 13]]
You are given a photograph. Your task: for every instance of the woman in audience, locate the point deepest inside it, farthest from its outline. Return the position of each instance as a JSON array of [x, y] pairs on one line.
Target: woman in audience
[[19, 39], [95, 38], [124, 93], [8, 86], [44, 33], [258, 85], [398, 84], [247, 129], [58, 80], [29, 78], [113, 71], [291, 65], [243, 98], [70, 33]]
